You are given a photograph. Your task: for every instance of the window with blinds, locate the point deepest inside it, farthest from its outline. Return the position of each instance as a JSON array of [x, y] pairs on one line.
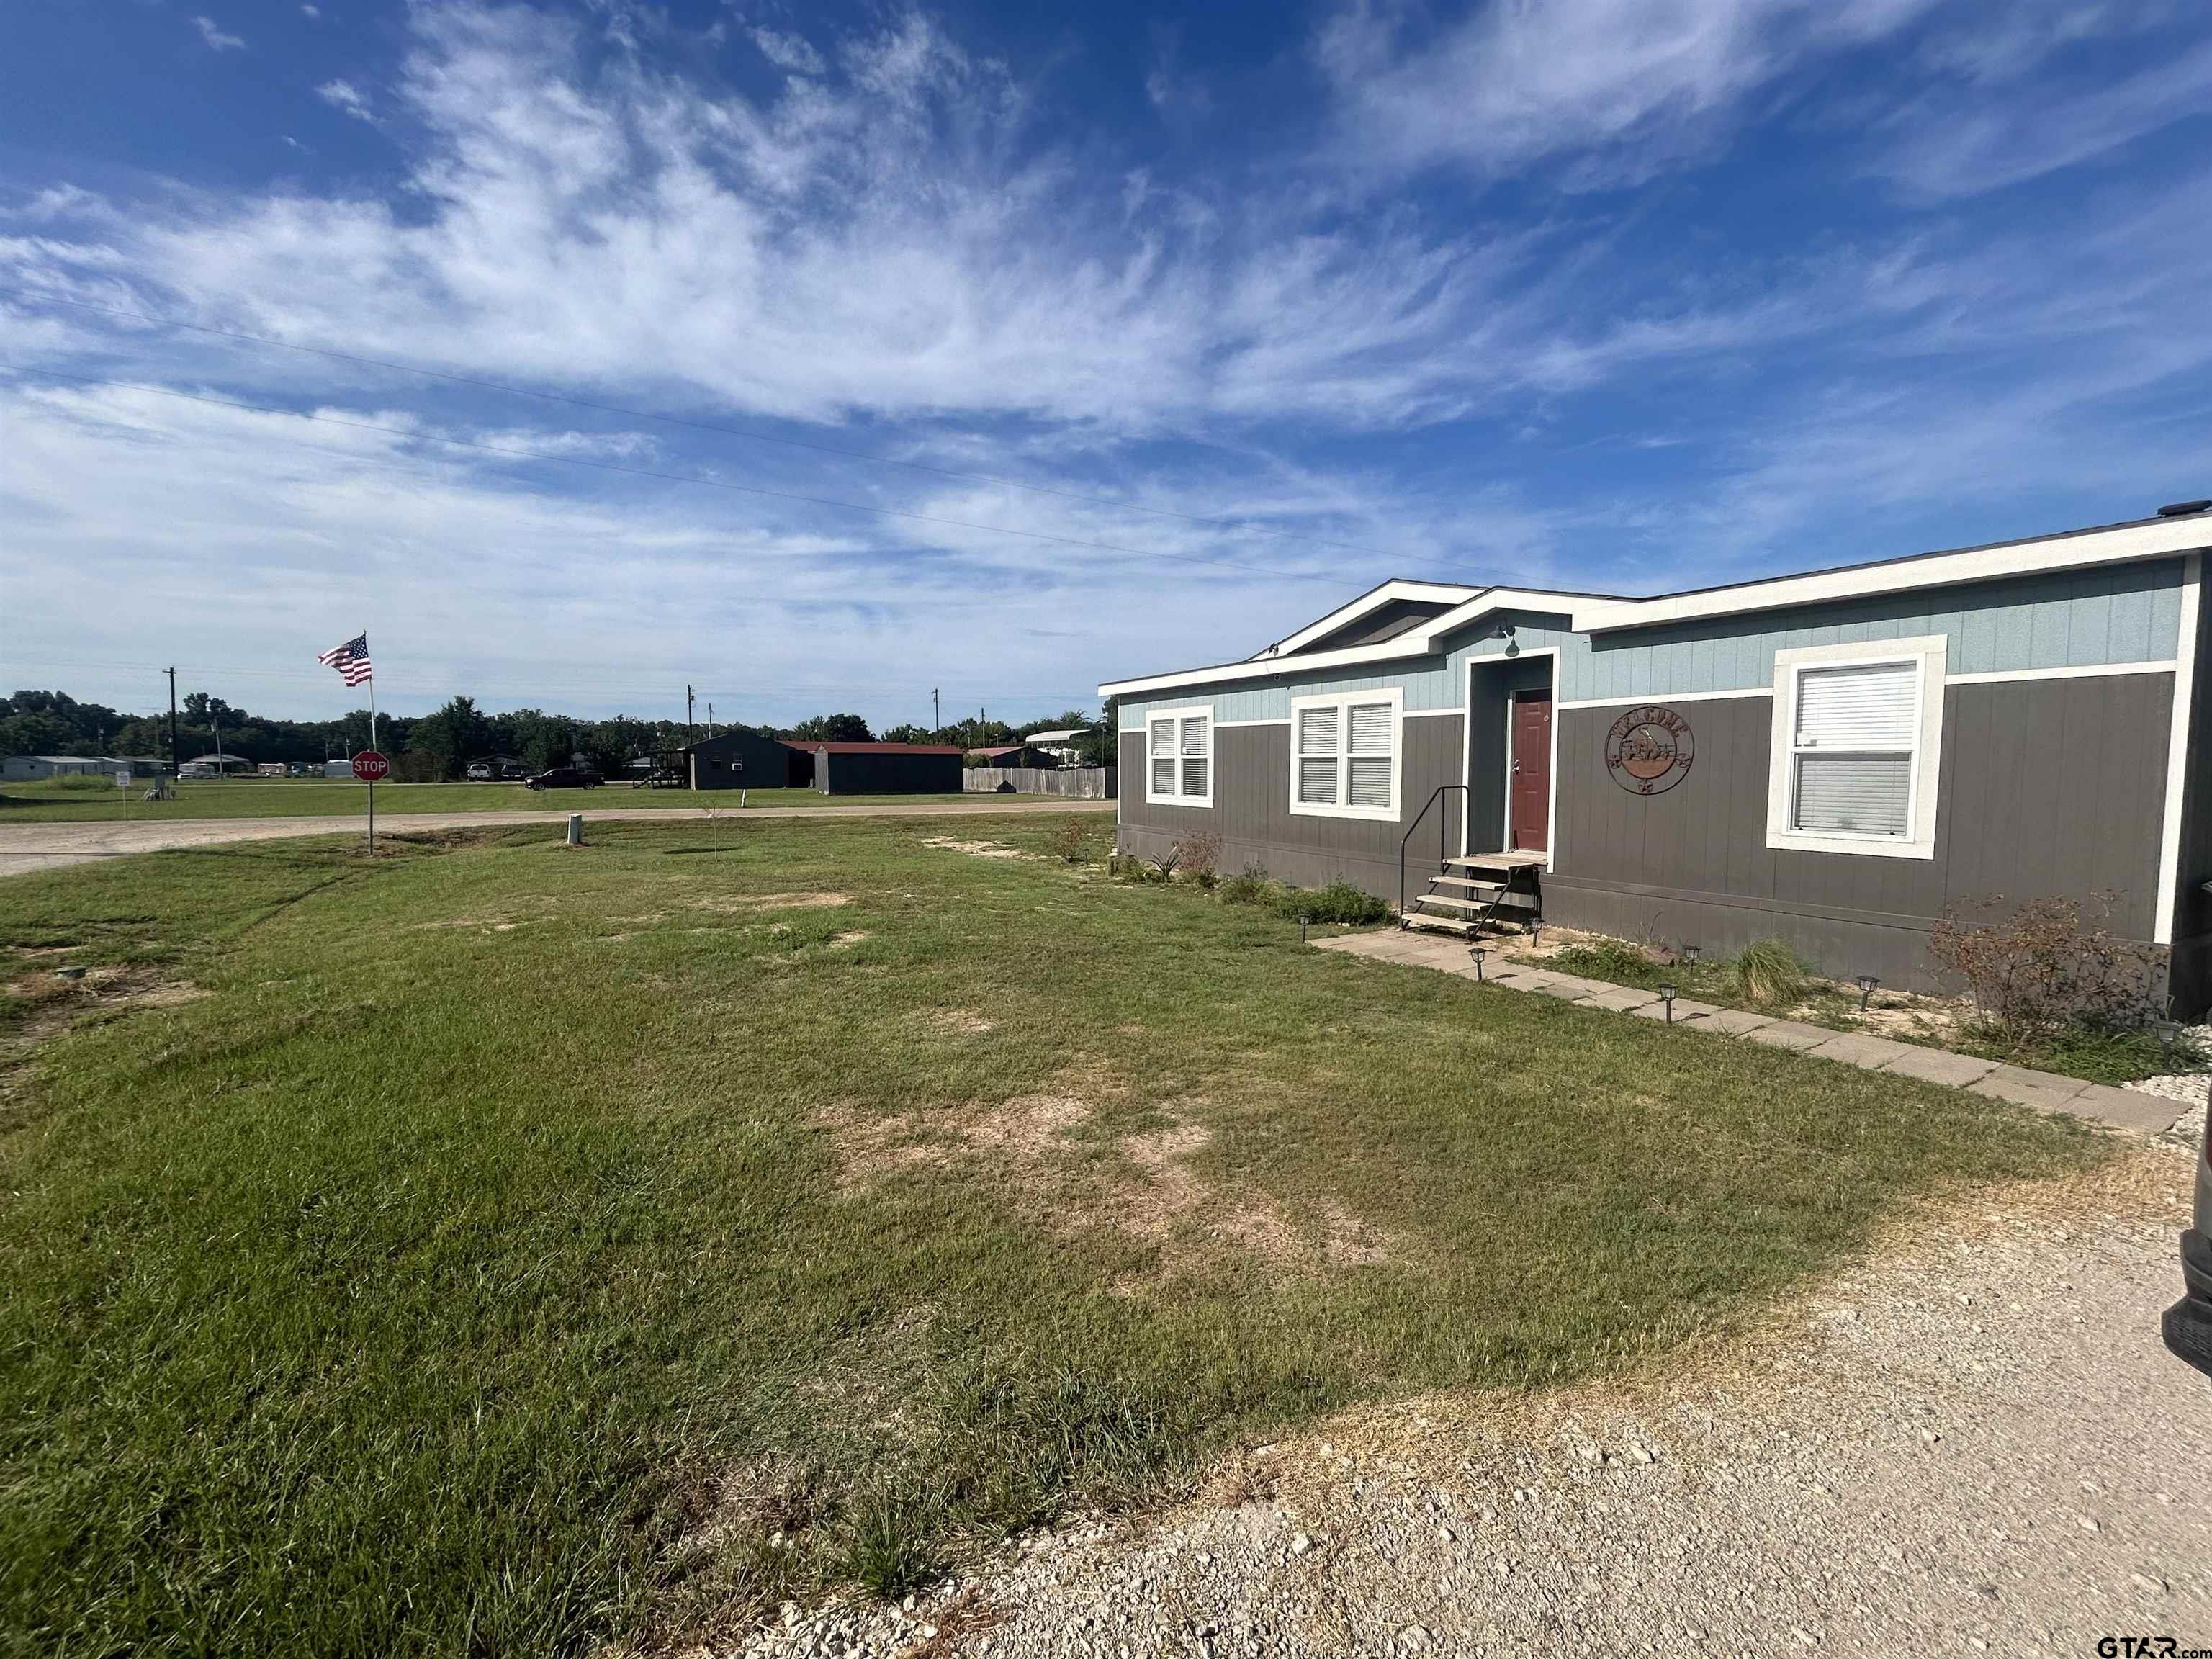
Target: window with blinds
[[1344, 759], [1852, 752], [1317, 755], [1179, 753]]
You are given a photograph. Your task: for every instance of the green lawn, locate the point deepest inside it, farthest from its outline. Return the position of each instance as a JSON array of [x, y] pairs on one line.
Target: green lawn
[[57, 801], [520, 1248]]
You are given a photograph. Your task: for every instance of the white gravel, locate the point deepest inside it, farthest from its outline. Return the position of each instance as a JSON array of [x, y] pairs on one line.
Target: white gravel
[[1972, 1442]]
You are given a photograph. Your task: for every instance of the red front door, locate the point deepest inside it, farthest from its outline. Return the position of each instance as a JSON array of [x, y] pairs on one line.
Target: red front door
[[1530, 794]]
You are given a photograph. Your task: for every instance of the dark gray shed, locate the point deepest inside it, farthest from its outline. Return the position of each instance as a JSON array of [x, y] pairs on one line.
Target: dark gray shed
[[885, 768], [738, 759]]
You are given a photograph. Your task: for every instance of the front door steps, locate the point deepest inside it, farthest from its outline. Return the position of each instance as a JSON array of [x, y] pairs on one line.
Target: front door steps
[[2047, 1091], [1478, 890]]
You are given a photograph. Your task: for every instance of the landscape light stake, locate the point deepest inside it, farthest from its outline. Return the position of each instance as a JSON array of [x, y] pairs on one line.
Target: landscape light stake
[[1666, 996], [1866, 982], [1478, 953], [1302, 920]]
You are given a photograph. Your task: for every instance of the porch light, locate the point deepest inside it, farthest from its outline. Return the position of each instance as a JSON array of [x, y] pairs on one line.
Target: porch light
[[1666, 996], [1866, 982], [1478, 953]]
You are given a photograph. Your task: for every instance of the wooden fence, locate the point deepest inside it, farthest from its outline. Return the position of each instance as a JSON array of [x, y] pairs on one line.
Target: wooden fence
[[1077, 783]]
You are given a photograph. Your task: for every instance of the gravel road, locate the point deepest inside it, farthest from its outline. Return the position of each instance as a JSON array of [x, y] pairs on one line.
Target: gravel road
[[1971, 1442], [27, 847]]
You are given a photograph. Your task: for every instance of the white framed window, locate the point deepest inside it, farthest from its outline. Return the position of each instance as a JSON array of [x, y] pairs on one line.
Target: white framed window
[[1345, 754], [1858, 748], [1179, 756]]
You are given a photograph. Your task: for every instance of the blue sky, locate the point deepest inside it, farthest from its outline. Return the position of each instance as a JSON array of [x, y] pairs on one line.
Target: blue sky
[[1001, 351]]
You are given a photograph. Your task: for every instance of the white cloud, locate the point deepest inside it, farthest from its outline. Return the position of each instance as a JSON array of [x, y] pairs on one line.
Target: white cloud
[[156, 514], [788, 52], [896, 242], [217, 40], [1952, 142], [345, 95], [311, 11], [1636, 82]]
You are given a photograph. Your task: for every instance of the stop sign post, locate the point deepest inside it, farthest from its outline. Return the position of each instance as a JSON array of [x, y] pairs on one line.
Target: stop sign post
[[368, 766]]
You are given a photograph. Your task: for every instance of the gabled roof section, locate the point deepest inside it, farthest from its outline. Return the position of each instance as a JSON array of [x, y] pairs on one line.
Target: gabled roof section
[[1414, 642], [1397, 589]]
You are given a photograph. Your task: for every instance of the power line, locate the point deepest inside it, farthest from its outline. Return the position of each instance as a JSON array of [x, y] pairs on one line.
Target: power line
[[211, 673], [746, 433], [516, 453]]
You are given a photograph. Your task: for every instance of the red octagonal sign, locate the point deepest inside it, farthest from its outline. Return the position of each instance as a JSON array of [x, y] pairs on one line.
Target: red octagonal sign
[[369, 766]]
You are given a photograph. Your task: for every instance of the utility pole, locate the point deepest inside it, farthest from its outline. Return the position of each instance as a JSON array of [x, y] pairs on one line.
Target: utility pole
[[690, 729], [173, 720], [936, 715], [710, 719]]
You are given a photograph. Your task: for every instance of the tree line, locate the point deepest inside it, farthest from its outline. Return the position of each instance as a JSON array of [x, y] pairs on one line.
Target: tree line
[[441, 744]]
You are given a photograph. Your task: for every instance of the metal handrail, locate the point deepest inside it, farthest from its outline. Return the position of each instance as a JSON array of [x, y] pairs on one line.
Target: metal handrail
[[1444, 830]]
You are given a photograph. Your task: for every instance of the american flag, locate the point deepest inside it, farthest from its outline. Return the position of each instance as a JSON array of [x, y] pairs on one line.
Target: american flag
[[350, 659]]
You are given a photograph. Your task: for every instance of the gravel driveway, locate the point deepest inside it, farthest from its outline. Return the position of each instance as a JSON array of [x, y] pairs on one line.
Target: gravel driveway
[[1972, 1442], [27, 847]]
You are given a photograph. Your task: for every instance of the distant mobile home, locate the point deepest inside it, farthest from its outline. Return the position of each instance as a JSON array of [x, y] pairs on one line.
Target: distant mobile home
[[1835, 758]]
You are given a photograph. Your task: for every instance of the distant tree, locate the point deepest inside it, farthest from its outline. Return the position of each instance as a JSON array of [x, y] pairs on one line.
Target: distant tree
[[832, 728], [36, 733], [456, 734], [909, 734]]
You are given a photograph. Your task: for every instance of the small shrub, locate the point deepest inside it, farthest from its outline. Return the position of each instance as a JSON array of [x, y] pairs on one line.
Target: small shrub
[[1068, 840], [1339, 901], [1769, 976], [1251, 887], [1200, 856], [1613, 960], [2041, 967]]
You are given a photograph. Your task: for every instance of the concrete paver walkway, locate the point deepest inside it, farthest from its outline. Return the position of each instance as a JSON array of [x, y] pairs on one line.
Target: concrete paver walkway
[[2044, 1090]]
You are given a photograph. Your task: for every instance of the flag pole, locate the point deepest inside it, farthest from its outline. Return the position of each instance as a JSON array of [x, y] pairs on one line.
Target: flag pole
[[372, 744]]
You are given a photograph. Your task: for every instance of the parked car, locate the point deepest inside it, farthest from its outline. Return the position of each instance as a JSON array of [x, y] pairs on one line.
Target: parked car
[[2189, 1321], [482, 772], [566, 777]]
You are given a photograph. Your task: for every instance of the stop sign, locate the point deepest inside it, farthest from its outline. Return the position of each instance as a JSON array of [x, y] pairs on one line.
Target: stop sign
[[369, 766]]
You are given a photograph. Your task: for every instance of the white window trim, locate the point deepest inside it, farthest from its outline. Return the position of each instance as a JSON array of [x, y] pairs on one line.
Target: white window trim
[[1177, 715], [1342, 702], [1928, 656]]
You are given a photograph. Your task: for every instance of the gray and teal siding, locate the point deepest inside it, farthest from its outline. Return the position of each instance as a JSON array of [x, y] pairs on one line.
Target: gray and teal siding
[[2058, 705]]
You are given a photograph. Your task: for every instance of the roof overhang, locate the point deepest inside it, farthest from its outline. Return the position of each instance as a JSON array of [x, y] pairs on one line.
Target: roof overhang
[[2149, 538], [2123, 543]]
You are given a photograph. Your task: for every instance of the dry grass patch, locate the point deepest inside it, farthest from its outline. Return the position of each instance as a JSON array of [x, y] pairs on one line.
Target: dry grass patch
[[1170, 1205], [744, 902], [961, 1022], [976, 849]]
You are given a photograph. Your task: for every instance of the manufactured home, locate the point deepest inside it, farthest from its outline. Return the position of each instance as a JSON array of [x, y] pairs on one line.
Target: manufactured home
[[1837, 758]]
